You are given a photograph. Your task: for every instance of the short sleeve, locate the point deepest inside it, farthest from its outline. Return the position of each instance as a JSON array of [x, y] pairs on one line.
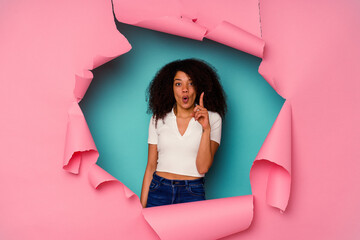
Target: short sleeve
[[153, 136], [215, 124]]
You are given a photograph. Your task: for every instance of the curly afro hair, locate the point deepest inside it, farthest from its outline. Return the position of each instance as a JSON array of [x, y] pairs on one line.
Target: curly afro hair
[[160, 94]]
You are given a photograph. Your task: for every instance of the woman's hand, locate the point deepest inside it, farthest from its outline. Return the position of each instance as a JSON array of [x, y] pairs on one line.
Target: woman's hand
[[201, 114]]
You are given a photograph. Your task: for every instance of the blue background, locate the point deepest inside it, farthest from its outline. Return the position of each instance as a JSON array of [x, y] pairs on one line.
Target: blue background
[[115, 108]]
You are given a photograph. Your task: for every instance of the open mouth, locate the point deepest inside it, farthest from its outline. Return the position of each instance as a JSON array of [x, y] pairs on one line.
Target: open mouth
[[185, 99]]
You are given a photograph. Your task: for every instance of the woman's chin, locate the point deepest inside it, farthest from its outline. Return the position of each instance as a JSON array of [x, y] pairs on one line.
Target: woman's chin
[[187, 106]]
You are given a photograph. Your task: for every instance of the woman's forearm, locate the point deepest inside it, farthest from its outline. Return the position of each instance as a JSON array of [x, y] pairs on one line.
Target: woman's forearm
[[204, 157], [150, 169], [145, 186]]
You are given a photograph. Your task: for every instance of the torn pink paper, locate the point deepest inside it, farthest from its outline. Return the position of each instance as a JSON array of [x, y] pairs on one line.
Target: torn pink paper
[[81, 84], [233, 36], [211, 219], [173, 17], [163, 16], [277, 149], [176, 26], [244, 14], [78, 136], [98, 176], [78, 139], [239, 29]]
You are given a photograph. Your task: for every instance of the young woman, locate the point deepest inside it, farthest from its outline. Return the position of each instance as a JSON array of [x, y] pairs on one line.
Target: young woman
[[188, 104]]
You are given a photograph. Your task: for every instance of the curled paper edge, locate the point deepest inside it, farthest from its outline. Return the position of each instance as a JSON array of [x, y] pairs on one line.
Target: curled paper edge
[[210, 219], [226, 32], [278, 188], [171, 22], [98, 176], [82, 84], [268, 77], [179, 24], [276, 149], [84, 77], [78, 139], [78, 136], [175, 26]]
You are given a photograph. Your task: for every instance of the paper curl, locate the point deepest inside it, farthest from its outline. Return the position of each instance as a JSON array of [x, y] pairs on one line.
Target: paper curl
[[210, 219], [235, 37], [98, 176], [174, 18], [78, 139], [277, 149], [163, 16], [82, 83]]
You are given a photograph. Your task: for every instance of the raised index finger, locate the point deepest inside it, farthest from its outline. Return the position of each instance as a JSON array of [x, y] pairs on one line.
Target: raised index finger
[[202, 99]]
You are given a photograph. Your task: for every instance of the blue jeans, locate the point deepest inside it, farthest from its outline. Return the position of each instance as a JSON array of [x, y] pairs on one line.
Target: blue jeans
[[163, 191]]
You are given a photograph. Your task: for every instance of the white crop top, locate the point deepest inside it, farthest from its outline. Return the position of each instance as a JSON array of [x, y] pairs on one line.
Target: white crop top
[[176, 153]]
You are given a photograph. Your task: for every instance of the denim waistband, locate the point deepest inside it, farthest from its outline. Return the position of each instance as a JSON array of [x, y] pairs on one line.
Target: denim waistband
[[178, 182]]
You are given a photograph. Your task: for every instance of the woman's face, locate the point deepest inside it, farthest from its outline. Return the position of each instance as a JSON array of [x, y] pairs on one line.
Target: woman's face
[[184, 91]]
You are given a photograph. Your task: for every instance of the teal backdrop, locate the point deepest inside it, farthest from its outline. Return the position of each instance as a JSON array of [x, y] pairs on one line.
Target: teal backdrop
[[116, 110]]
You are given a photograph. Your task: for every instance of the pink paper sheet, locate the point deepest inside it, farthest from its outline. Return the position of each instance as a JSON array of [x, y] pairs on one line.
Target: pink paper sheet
[[193, 19], [310, 58], [211, 219], [277, 149]]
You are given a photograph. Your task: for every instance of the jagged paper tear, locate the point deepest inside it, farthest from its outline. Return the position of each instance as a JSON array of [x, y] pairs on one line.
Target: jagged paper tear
[[210, 219], [78, 139], [277, 149], [172, 17]]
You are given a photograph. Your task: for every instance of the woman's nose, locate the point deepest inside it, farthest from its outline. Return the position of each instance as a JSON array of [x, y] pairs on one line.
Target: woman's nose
[[185, 88]]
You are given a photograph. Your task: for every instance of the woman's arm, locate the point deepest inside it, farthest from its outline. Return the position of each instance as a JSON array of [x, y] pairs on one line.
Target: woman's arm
[[206, 152], [150, 169], [207, 147]]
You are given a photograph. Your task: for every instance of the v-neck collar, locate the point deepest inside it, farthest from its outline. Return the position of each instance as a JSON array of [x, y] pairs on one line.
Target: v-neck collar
[[188, 128]]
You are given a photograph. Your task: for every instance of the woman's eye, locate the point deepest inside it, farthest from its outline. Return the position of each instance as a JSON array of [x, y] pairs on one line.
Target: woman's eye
[[177, 84], [191, 84]]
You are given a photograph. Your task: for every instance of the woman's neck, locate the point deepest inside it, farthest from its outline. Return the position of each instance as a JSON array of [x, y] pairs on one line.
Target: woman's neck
[[183, 113]]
